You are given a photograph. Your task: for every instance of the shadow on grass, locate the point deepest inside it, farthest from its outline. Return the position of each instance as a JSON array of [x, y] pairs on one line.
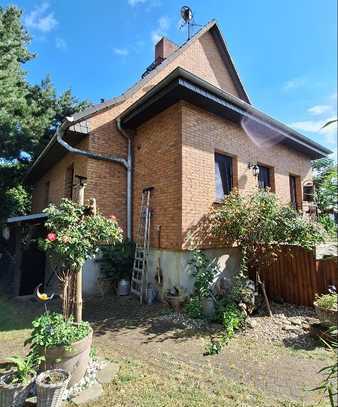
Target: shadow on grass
[[156, 323], [17, 314]]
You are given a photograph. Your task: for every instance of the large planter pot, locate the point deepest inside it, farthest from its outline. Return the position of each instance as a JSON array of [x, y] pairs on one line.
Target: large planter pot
[[74, 360], [176, 302], [14, 395], [327, 317], [49, 393]]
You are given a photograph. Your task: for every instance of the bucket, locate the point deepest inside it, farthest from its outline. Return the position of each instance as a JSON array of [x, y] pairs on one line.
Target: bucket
[[123, 287]]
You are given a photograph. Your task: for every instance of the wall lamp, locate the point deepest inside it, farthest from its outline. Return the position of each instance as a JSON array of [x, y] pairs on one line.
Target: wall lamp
[[255, 169]]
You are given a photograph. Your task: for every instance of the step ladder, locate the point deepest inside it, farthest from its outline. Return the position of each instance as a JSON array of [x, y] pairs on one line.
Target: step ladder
[[139, 274]]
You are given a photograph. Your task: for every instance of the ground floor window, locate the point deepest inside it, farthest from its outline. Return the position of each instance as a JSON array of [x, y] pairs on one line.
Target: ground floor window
[[223, 175]]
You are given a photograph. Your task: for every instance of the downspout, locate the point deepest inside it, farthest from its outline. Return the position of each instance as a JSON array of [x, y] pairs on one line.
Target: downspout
[[68, 122], [129, 176]]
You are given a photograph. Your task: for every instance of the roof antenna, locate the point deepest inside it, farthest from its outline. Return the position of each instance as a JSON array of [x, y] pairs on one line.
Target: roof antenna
[[188, 19]]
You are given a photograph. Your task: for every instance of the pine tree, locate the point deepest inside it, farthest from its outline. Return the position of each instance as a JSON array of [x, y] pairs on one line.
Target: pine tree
[[29, 114]]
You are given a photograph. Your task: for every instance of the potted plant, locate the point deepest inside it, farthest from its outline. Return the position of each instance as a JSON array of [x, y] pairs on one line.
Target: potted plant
[[326, 308], [50, 387], [16, 384], [63, 343], [75, 233], [176, 298]]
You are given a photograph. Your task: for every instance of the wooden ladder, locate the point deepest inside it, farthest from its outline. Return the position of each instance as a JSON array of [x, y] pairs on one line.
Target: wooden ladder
[[139, 274]]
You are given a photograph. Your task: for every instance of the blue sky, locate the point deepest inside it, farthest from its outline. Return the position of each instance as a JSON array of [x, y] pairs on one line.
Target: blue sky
[[285, 50]]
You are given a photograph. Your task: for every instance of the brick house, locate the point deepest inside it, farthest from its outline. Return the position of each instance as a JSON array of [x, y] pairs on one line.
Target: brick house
[[186, 128]]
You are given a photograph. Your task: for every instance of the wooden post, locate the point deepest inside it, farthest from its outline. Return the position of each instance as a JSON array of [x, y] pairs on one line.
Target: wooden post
[[79, 302]]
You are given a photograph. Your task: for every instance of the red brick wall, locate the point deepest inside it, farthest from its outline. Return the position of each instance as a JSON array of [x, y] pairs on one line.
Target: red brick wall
[[56, 178], [157, 158], [204, 133]]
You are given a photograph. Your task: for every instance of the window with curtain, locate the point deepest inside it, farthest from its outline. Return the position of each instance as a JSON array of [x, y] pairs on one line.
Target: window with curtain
[[223, 175], [264, 177]]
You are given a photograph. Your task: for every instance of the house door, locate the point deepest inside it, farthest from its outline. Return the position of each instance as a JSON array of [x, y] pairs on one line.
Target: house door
[[33, 264]]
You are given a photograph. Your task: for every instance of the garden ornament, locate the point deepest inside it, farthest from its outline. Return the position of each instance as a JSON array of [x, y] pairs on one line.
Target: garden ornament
[[43, 297]]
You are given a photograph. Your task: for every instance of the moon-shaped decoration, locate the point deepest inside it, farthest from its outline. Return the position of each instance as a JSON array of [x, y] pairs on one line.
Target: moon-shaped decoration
[[43, 297]]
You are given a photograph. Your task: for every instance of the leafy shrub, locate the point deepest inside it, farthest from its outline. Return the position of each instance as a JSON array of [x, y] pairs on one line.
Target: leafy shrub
[[24, 368], [117, 260], [232, 319], [74, 235], [204, 271], [51, 329], [327, 301], [194, 308]]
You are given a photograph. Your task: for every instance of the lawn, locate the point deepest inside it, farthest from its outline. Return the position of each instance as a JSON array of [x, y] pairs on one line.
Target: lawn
[[162, 362]]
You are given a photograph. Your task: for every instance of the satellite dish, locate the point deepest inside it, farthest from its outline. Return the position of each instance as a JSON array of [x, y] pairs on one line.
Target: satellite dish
[[186, 14]]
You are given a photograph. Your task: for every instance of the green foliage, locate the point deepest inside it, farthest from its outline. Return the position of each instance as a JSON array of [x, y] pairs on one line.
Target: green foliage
[[77, 235], [215, 346], [51, 329], [29, 114], [329, 225], [326, 183], [24, 368], [194, 308], [204, 271], [329, 385], [261, 220], [17, 201], [117, 260], [232, 319], [327, 301]]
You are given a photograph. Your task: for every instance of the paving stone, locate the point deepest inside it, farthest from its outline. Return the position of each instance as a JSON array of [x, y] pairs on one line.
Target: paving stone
[[88, 395], [107, 374]]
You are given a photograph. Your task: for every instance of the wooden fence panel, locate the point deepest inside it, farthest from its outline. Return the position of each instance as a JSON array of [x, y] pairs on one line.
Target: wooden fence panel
[[296, 276]]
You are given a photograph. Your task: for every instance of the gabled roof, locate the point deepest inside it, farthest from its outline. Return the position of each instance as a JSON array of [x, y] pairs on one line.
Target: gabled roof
[[214, 30], [183, 85]]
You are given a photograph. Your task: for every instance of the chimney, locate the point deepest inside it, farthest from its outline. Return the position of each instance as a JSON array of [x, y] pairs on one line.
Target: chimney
[[163, 49]]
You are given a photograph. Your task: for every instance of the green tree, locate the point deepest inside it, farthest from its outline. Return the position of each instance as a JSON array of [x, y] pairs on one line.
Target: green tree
[[325, 181], [29, 114]]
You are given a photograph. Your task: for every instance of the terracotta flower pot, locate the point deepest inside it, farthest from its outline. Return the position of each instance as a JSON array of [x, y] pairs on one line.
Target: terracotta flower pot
[[14, 395], [50, 394], [74, 360], [176, 302], [327, 317]]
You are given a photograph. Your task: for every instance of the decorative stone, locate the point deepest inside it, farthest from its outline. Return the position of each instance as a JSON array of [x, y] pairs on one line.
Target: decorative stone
[[251, 323], [93, 393], [107, 374]]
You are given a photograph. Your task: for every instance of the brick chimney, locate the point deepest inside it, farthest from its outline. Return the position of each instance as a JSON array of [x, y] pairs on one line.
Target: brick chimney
[[163, 49]]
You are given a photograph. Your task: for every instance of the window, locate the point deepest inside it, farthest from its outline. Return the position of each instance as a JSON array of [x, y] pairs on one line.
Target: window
[[293, 191], [264, 177], [223, 175], [69, 182]]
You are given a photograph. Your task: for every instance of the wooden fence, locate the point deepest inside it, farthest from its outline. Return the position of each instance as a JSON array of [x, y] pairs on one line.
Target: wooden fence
[[296, 276]]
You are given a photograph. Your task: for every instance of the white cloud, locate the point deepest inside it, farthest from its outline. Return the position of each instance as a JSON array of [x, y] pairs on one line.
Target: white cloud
[[163, 24], [60, 43], [136, 2], [40, 19], [316, 126], [121, 51], [294, 83], [319, 109]]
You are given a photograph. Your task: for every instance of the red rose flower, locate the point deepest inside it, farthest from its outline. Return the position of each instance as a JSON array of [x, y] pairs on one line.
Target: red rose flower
[[51, 236]]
